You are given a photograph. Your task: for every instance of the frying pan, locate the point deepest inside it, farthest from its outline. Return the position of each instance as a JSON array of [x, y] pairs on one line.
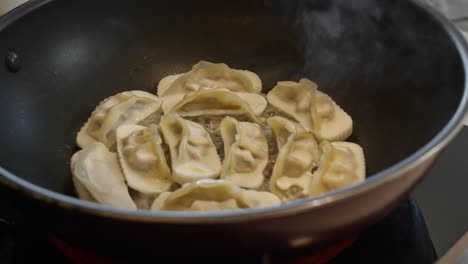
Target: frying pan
[[396, 66]]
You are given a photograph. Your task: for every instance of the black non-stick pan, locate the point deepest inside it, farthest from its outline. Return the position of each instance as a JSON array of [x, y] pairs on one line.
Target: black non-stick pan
[[398, 68]]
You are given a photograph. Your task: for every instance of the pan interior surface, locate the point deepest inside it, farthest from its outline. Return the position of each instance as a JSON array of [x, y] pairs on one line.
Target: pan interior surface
[[389, 64]]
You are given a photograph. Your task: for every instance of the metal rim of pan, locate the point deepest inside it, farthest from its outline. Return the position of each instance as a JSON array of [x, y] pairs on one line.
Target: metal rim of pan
[[431, 148]]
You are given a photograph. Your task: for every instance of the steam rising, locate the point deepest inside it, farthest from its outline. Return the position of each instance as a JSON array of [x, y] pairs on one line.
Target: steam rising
[[378, 59]]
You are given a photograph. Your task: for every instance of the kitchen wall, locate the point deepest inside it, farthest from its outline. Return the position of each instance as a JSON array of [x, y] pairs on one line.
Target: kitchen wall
[[6, 5], [456, 10]]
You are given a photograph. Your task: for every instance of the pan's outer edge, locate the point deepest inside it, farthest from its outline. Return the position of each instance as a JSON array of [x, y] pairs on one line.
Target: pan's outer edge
[[397, 170], [21, 10]]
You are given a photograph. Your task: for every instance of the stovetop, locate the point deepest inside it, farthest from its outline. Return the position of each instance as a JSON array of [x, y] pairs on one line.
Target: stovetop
[[401, 237]]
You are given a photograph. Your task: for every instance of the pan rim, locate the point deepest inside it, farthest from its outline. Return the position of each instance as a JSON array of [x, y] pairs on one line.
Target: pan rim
[[431, 148]]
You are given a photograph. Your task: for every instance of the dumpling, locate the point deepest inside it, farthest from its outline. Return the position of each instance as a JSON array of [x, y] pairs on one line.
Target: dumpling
[[98, 171], [342, 164], [142, 159], [245, 153], [316, 111], [124, 108], [210, 75], [206, 75], [215, 102], [298, 153], [294, 99], [213, 195], [193, 154]]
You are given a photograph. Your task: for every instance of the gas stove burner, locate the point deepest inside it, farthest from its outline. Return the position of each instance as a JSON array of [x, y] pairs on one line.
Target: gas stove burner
[[78, 255], [401, 237]]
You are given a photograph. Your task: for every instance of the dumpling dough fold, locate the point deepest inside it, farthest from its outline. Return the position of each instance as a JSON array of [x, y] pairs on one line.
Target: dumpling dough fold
[[213, 195], [215, 102], [142, 159], [245, 153], [193, 154]]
